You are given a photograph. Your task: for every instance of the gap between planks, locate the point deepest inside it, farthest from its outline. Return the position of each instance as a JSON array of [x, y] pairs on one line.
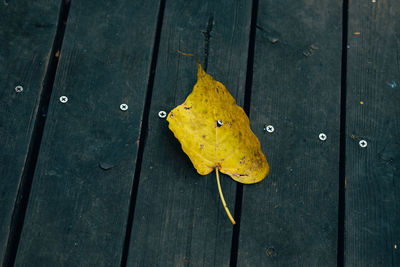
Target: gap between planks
[[18, 217], [342, 148], [142, 135], [246, 107]]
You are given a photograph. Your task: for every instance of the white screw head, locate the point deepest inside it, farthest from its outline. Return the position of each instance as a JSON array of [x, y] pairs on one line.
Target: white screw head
[[123, 107], [19, 88], [162, 114], [363, 143], [63, 99], [322, 136], [269, 128]]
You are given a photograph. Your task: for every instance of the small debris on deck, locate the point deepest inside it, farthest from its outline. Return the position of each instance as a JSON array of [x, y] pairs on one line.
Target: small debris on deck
[[106, 166], [392, 84], [310, 50], [272, 38], [271, 252]]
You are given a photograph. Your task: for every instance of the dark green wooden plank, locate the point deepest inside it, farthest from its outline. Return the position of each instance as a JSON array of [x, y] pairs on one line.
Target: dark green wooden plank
[[77, 212], [290, 218], [179, 219], [27, 31], [372, 229]]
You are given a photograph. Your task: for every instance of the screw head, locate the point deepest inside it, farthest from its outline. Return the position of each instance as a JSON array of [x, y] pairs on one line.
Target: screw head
[[19, 88], [269, 128], [322, 136], [363, 143], [219, 123], [162, 114], [123, 107], [63, 99]]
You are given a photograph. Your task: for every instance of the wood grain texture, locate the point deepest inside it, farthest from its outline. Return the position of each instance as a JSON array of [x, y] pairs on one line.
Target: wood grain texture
[[27, 31], [79, 203], [372, 229], [179, 219], [290, 218]]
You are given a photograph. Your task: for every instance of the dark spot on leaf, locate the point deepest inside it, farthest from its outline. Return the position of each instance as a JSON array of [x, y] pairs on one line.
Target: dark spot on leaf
[[204, 136], [201, 146], [187, 107]]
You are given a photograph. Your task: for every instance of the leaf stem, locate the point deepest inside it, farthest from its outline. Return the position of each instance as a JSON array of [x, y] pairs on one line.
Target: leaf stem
[[223, 200], [189, 54]]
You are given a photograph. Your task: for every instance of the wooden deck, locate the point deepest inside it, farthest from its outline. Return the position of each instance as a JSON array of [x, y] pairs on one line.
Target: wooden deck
[[83, 183]]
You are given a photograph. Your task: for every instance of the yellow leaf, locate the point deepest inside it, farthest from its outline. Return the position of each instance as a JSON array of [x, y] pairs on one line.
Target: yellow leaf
[[215, 133]]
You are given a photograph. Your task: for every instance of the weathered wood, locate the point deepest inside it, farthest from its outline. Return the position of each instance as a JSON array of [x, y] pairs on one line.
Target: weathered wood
[[27, 31], [179, 219], [372, 229], [79, 202], [290, 218]]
